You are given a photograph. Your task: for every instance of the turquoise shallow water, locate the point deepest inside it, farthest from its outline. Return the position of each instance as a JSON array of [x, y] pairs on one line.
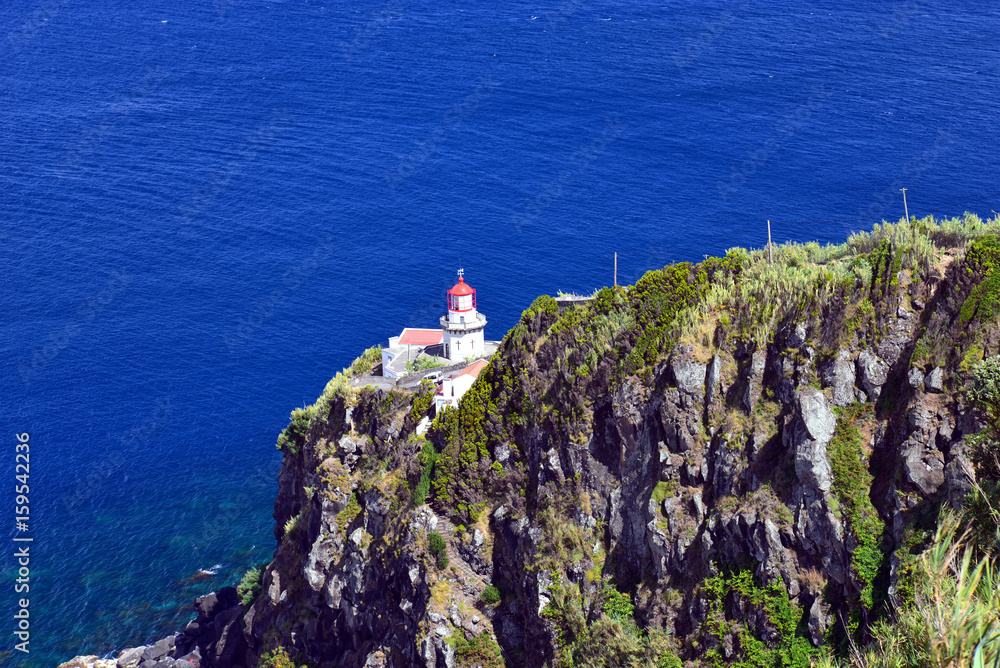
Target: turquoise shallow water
[[207, 211]]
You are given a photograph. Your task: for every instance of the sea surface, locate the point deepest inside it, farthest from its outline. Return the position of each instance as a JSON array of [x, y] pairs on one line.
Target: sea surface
[[207, 209]]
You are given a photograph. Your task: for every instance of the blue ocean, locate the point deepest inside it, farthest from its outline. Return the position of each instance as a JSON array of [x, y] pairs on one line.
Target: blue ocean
[[207, 209]]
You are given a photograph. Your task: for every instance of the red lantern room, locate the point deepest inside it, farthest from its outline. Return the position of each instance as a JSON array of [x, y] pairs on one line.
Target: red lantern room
[[461, 297]]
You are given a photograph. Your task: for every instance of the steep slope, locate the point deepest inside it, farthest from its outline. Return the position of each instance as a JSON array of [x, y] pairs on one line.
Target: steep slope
[[730, 461]]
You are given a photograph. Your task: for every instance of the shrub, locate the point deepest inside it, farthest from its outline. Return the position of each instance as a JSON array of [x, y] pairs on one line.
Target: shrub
[[619, 606], [954, 619], [349, 513], [294, 435], [428, 456], [542, 304], [985, 393], [491, 595], [983, 259], [481, 650], [250, 586], [438, 549], [852, 483], [277, 658], [292, 526], [366, 363], [782, 647], [436, 541], [612, 640]]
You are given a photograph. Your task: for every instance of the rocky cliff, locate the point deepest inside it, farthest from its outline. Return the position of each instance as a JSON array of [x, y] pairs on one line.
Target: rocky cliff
[[729, 461]]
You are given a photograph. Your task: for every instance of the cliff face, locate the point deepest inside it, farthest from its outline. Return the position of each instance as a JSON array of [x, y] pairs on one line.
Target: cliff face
[[749, 452]]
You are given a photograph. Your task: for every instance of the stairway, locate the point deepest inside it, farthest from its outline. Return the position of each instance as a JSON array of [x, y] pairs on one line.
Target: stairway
[[473, 583]]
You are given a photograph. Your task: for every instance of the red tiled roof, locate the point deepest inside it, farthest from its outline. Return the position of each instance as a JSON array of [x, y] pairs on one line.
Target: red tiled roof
[[420, 337], [473, 369]]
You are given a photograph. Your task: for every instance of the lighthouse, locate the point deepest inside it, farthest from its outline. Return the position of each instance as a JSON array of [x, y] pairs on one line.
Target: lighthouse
[[463, 326]]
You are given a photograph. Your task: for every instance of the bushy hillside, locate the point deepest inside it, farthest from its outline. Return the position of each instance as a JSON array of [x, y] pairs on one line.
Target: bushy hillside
[[736, 462]]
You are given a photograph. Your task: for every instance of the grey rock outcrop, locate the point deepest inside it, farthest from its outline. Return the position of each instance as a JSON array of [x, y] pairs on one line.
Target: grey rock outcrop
[[935, 380], [810, 437], [873, 372], [214, 639], [841, 377]]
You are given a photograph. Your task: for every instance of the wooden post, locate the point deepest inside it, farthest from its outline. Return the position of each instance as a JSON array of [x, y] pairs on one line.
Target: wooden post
[[905, 210], [769, 242], [616, 269]]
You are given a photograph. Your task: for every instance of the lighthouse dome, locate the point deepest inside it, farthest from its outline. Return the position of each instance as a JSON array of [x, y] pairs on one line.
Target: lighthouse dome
[[461, 296], [461, 288]]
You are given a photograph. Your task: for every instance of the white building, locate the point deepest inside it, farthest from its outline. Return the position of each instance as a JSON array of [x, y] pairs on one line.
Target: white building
[[455, 385], [407, 347], [463, 326]]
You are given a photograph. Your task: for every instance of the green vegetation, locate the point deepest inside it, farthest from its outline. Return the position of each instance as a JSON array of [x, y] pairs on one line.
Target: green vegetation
[[250, 586], [490, 595], [482, 650], [828, 279], [954, 619], [612, 640], [852, 484], [662, 490], [618, 606], [278, 658], [366, 363], [423, 363], [660, 296], [777, 643], [983, 261], [542, 304], [461, 469], [985, 393], [422, 401], [438, 547], [346, 516], [428, 457], [549, 389], [294, 435], [983, 505], [292, 526]]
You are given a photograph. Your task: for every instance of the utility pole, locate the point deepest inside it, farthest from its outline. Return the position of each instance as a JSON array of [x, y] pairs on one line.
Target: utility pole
[[769, 242], [616, 269], [905, 210]]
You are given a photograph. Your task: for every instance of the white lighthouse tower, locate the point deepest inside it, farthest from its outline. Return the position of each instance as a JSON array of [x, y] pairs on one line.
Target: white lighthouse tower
[[463, 326]]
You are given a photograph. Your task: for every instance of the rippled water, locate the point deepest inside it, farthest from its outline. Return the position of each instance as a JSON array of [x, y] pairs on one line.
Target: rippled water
[[209, 210]]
